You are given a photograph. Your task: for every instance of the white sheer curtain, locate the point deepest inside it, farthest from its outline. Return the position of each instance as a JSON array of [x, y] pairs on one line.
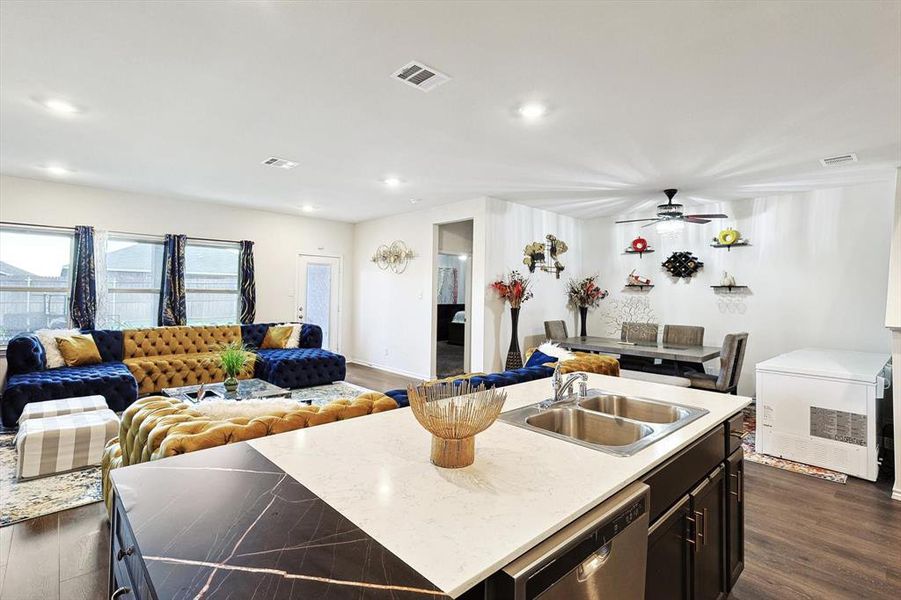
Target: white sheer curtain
[[102, 319]]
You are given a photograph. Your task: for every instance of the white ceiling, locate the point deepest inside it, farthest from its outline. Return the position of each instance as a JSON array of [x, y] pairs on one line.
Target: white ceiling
[[722, 100]]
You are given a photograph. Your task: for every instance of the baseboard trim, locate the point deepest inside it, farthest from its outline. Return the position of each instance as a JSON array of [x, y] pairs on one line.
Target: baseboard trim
[[896, 492], [387, 369]]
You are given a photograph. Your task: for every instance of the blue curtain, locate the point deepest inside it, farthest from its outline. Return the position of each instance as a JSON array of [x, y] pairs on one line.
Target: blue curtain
[[83, 297], [173, 308], [248, 285]]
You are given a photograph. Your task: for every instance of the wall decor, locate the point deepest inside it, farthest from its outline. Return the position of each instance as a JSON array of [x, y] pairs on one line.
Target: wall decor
[[538, 255], [682, 264], [727, 280], [639, 246], [394, 256], [634, 280], [633, 309], [729, 237], [584, 294], [515, 290]]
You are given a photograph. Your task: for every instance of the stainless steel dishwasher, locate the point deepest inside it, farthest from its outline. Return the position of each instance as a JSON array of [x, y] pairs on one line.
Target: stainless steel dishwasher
[[601, 555]]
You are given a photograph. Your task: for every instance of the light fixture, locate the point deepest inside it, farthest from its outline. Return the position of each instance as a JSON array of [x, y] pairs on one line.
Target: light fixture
[[307, 208], [532, 111], [670, 227], [414, 200], [391, 181], [60, 106], [394, 256], [57, 171]]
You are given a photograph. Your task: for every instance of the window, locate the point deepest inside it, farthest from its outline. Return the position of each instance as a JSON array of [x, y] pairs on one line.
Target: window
[[35, 266], [133, 277], [211, 283]]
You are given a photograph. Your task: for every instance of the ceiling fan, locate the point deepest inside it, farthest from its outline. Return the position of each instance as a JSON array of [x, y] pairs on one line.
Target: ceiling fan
[[673, 212]]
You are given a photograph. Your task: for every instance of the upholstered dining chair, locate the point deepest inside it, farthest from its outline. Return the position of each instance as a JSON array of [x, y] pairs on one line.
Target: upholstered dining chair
[[637, 332], [731, 359], [680, 336], [555, 330]]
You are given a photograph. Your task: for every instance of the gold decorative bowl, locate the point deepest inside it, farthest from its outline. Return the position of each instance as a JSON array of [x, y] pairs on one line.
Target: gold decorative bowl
[[454, 413]]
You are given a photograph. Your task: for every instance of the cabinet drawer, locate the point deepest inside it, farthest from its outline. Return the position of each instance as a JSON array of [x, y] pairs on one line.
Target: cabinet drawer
[[127, 563], [735, 429], [673, 479]]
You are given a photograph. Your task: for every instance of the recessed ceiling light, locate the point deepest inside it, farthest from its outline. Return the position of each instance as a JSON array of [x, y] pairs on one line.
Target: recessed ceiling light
[[414, 200], [532, 111], [57, 170], [280, 163], [307, 208], [60, 106], [391, 181]]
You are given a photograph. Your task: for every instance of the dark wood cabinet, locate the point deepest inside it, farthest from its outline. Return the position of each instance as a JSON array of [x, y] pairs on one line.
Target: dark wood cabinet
[[669, 555], [735, 517], [709, 543]]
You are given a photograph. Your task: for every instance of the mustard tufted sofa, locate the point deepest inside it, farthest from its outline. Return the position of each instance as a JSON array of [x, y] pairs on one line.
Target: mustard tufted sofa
[[159, 427], [163, 357]]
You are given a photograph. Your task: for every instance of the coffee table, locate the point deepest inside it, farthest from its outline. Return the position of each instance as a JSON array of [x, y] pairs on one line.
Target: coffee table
[[247, 388]]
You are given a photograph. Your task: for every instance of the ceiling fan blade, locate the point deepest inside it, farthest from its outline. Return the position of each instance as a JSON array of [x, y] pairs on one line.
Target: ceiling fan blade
[[637, 220], [654, 221], [694, 219], [716, 216]]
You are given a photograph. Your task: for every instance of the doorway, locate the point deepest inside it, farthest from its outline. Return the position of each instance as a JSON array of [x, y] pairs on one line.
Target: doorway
[[318, 296], [453, 298]]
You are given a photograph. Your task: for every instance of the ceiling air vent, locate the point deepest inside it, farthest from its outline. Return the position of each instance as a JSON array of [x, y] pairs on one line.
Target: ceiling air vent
[[834, 161], [420, 76], [281, 163]]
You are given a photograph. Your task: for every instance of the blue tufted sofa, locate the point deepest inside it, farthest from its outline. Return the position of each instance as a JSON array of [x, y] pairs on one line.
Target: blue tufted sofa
[[492, 380], [29, 380]]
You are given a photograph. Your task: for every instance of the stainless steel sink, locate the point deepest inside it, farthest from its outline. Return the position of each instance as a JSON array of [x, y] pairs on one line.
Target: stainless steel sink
[[589, 427], [619, 425], [636, 409]]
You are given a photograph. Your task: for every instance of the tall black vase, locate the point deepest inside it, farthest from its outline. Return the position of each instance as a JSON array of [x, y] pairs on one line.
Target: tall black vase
[[583, 312], [514, 356]]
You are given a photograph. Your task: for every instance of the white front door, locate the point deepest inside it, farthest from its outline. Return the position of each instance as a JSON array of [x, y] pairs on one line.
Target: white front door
[[318, 295]]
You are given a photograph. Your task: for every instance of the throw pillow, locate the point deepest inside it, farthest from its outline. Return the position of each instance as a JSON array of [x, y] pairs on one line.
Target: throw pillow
[[277, 337], [78, 350], [47, 337], [539, 358], [294, 340]]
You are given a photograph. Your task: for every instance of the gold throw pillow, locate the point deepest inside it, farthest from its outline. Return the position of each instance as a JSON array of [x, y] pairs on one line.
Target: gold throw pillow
[[277, 337], [78, 350]]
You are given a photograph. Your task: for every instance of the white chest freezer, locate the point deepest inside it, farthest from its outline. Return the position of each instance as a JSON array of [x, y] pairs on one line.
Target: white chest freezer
[[819, 407]]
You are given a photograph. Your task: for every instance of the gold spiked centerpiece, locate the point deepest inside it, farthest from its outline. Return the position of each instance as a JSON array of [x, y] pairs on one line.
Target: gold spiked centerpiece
[[454, 412]]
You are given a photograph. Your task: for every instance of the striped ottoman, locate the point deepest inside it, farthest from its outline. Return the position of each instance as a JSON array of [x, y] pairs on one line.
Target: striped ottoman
[[64, 443], [66, 406]]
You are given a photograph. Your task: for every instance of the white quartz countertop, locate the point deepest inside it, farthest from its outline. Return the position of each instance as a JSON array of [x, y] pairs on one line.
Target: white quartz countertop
[[458, 526]]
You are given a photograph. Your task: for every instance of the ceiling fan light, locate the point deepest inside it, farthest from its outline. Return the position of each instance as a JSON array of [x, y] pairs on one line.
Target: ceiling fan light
[[670, 227]]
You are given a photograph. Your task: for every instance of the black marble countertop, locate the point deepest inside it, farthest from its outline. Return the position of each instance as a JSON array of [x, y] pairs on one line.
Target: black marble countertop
[[228, 523]]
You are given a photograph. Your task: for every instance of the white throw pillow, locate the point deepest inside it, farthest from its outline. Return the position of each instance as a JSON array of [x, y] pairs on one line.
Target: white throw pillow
[[551, 349], [294, 339], [47, 338]]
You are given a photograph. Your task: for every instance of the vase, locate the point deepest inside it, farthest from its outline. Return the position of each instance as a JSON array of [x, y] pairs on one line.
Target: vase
[[583, 313], [231, 384], [514, 356]]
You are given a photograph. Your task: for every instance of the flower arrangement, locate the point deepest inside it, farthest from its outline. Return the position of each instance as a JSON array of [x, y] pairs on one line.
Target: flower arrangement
[[585, 293], [513, 289]]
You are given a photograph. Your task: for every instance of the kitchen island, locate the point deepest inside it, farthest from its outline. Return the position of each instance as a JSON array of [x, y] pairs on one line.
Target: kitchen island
[[355, 509]]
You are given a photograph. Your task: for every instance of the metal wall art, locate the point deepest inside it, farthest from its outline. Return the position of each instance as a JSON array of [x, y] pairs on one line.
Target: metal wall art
[[539, 255], [639, 246], [395, 256], [682, 264]]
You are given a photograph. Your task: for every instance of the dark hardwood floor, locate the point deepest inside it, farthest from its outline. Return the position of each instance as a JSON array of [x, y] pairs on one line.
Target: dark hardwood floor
[[806, 538]]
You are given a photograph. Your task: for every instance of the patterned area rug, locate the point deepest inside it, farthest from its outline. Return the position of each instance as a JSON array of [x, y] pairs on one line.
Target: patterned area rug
[[748, 442], [24, 500]]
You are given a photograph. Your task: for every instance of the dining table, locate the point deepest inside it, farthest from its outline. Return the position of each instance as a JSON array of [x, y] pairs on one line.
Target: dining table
[[673, 352]]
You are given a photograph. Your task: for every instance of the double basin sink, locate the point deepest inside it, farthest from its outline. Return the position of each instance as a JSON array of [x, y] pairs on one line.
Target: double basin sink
[[620, 425]]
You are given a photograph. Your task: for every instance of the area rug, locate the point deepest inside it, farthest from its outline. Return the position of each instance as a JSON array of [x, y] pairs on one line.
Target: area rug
[[748, 442], [22, 500]]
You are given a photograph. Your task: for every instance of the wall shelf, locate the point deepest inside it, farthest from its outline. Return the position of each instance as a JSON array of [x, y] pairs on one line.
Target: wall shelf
[[729, 288], [729, 247], [630, 251], [639, 286]]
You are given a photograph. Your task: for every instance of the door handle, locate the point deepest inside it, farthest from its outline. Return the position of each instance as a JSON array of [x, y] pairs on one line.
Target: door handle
[[594, 562], [126, 552], [695, 531], [738, 485], [704, 535], [119, 592]]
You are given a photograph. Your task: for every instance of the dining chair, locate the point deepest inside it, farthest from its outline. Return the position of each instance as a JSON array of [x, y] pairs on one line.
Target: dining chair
[[680, 336], [731, 359], [555, 330], [637, 332]]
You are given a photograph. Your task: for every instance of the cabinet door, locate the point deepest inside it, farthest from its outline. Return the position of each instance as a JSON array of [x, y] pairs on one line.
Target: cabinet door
[[669, 555], [735, 517], [708, 515]]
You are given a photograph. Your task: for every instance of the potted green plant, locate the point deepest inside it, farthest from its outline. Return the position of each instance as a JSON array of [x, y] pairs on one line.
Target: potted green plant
[[233, 358]]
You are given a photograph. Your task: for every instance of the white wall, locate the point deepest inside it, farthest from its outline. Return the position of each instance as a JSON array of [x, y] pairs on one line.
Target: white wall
[[816, 270], [278, 237], [394, 313]]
